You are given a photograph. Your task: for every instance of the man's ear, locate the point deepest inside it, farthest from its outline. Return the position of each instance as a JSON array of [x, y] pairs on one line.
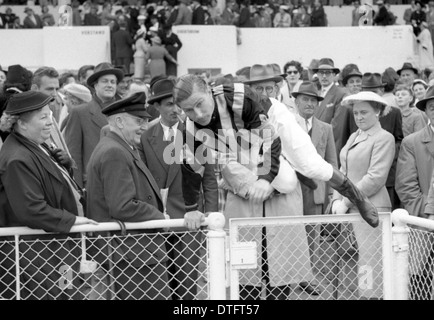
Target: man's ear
[[34, 87], [119, 122]]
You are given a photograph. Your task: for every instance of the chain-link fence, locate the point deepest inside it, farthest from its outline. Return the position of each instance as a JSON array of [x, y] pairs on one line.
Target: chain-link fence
[[310, 258], [286, 258], [421, 264], [128, 265]]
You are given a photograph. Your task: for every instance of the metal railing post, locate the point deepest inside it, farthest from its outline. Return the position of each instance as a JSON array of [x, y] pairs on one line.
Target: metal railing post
[[400, 254], [216, 256]]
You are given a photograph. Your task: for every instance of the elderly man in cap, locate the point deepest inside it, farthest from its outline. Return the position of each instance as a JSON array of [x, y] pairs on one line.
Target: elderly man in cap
[[391, 121], [163, 134], [407, 73], [330, 109], [82, 131], [414, 186], [121, 188]]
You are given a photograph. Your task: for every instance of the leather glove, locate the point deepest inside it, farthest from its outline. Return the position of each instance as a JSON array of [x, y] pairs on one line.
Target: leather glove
[[62, 157]]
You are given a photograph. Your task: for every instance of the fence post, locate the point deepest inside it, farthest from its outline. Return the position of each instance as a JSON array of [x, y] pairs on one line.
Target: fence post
[[216, 256], [400, 255]]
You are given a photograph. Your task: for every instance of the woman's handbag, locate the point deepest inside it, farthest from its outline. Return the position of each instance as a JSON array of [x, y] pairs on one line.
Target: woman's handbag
[[344, 236]]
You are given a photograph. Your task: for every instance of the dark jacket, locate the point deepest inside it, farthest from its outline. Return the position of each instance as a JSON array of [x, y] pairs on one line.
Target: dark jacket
[[29, 24], [198, 16], [121, 187], [382, 18], [122, 43], [82, 132], [170, 176], [34, 193], [318, 17]]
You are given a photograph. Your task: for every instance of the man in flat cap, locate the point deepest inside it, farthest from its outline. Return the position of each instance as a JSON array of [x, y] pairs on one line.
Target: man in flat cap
[[82, 131], [121, 188]]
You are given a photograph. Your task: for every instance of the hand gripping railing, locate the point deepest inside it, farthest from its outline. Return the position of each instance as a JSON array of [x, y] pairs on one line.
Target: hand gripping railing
[[216, 244]]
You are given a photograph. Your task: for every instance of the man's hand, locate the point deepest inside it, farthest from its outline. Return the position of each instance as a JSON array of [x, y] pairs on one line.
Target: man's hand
[[84, 220], [193, 219], [260, 191]]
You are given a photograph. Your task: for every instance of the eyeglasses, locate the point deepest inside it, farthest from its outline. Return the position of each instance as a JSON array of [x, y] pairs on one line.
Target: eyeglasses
[[268, 89], [292, 72], [139, 121], [325, 72]]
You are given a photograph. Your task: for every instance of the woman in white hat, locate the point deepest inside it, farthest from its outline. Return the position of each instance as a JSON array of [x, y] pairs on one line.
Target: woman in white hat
[[366, 159], [140, 54], [156, 55], [419, 89], [74, 94]]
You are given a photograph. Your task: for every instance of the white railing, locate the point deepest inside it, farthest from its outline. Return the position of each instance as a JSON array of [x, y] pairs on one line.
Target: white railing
[[215, 249], [409, 252]]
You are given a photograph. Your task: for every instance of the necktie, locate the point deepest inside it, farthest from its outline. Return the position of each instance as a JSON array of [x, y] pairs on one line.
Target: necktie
[[323, 92], [170, 135], [307, 126]]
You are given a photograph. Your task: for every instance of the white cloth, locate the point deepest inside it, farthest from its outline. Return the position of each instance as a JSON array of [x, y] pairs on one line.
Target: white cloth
[[169, 131], [297, 146], [425, 50]]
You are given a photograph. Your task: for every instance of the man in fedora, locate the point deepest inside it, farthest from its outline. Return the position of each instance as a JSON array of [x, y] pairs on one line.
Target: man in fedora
[[121, 188], [315, 201], [82, 131], [391, 121], [155, 150], [407, 73], [330, 109], [414, 186]]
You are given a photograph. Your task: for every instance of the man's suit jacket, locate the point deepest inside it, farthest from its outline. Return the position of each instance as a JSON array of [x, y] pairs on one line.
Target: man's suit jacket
[[367, 163], [322, 138], [29, 24], [82, 134], [330, 111], [170, 176], [227, 17], [198, 16], [121, 187], [392, 122], [414, 170], [122, 42]]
